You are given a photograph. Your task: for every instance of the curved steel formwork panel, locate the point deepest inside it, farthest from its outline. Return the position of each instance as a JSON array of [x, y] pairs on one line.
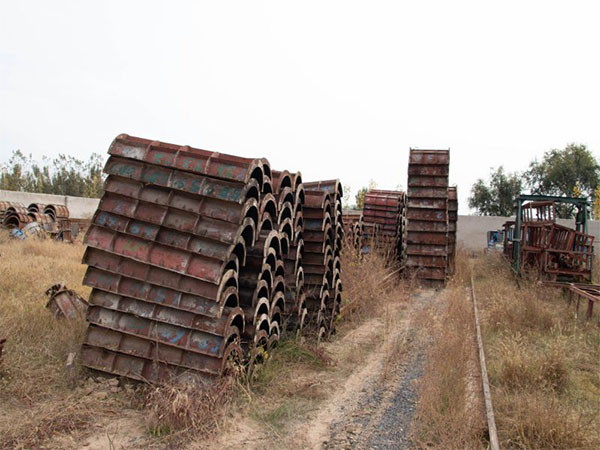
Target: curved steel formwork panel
[[165, 249], [452, 223], [289, 192], [56, 211], [323, 239], [427, 215]]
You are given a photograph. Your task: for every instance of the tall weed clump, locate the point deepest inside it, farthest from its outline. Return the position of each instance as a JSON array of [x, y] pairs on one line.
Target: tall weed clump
[[369, 284]]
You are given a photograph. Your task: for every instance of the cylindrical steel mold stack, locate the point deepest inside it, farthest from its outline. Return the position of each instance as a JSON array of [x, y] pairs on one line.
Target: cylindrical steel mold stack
[[164, 252], [452, 222], [16, 216], [427, 215], [324, 234], [289, 193]]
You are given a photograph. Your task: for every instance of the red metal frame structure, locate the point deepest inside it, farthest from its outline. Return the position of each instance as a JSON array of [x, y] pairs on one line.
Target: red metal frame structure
[[535, 242]]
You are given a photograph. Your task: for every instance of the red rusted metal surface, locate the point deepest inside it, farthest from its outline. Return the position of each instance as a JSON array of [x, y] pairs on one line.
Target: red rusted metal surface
[[553, 251], [427, 216], [387, 210], [166, 252], [323, 238], [16, 217], [36, 208], [57, 211], [452, 224], [63, 302], [196, 257]]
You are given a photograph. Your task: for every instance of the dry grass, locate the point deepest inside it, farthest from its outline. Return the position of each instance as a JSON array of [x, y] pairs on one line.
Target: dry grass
[[447, 415], [40, 397], [369, 285], [176, 413], [37, 345], [543, 364]]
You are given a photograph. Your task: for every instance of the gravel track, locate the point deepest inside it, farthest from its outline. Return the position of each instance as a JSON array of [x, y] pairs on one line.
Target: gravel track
[[384, 413]]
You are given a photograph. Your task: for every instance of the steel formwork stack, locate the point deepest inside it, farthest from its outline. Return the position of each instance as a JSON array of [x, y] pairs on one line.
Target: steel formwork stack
[[50, 218], [353, 227], [196, 259], [164, 252], [427, 215], [384, 218], [289, 193], [323, 237], [452, 222]]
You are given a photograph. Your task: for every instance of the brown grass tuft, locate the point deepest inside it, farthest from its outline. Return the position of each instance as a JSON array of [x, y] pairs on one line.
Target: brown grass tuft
[[179, 410], [369, 285]]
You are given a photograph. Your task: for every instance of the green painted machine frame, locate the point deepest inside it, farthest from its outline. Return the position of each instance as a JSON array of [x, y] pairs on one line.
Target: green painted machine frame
[[581, 219]]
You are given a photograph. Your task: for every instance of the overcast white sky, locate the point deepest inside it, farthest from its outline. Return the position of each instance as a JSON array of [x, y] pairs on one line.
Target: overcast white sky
[[331, 88]]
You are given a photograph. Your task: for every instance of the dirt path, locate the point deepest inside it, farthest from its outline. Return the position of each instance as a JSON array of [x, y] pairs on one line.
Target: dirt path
[[385, 409], [373, 406]]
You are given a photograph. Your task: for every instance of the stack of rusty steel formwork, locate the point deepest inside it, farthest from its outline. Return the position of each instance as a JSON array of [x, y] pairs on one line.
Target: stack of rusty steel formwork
[[166, 248], [384, 223], [427, 215], [353, 227], [15, 215], [452, 222], [323, 238], [49, 217], [289, 193]]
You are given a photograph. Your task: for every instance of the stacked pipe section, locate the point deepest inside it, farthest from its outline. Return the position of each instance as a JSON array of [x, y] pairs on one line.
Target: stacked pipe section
[[427, 215], [165, 249], [323, 238], [48, 217], [384, 218], [289, 194], [452, 220]]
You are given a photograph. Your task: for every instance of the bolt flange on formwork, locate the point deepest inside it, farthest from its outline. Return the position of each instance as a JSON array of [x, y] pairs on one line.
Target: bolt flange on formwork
[[427, 216]]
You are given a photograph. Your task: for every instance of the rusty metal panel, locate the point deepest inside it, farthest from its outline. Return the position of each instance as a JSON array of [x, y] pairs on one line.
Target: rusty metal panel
[[165, 248], [63, 302], [188, 159], [427, 215], [429, 157]]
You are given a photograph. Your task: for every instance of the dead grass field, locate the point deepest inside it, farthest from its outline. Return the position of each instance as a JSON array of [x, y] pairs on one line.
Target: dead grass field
[[40, 398], [46, 405], [544, 366]]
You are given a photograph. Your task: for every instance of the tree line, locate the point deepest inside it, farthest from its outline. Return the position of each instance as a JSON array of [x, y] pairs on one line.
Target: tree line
[[572, 172], [64, 175]]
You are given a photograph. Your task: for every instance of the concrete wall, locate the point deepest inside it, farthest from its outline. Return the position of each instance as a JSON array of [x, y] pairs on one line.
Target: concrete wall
[[79, 207], [472, 230]]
